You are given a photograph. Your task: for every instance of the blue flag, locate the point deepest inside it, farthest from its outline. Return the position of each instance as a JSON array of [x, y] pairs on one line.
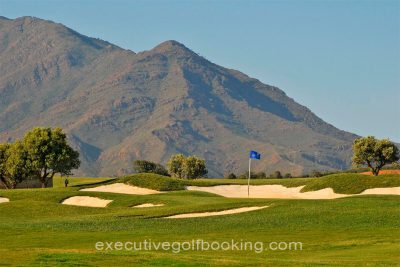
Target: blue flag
[[255, 155]]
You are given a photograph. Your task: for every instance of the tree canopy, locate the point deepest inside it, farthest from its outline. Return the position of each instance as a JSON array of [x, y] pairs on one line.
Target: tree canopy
[[190, 167], [374, 153], [41, 154]]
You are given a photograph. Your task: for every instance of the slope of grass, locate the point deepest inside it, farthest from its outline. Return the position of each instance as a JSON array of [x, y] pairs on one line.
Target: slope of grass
[[352, 183], [154, 181]]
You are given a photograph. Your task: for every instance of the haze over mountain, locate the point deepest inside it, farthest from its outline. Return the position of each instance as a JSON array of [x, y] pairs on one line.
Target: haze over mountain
[[117, 105]]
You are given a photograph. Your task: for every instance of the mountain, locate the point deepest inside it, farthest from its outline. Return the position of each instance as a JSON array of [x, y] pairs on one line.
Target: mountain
[[117, 105]]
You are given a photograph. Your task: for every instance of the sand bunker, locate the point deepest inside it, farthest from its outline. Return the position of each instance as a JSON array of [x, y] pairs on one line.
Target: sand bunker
[[122, 188], [268, 191], [215, 213], [279, 191], [148, 205], [4, 200], [382, 191], [87, 201]]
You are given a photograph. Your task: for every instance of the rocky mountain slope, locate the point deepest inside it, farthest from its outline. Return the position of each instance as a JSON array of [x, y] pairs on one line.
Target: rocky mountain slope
[[117, 105]]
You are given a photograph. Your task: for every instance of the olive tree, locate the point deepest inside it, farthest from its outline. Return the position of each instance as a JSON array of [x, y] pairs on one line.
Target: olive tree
[[175, 165], [194, 167], [374, 153], [49, 153], [4, 178], [186, 167], [14, 166]]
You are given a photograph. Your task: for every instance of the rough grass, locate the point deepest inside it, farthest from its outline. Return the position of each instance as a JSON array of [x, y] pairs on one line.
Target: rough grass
[[36, 230]]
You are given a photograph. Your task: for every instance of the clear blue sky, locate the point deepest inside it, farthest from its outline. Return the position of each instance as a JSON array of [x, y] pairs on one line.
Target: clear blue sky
[[339, 58]]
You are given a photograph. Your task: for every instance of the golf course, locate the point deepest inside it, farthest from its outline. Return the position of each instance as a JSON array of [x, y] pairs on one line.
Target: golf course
[[37, 229]]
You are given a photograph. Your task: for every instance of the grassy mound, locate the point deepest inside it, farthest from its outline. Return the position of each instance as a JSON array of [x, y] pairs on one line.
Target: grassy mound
[[153, 181], [352, 183]]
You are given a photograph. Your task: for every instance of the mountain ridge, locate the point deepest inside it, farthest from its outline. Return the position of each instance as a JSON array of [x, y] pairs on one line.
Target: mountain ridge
[[117, 105]]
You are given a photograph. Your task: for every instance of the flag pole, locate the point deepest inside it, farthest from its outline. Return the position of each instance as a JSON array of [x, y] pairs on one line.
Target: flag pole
[[248, 180]]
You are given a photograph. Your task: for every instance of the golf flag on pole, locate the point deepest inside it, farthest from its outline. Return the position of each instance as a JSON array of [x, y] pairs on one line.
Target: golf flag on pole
[[255, 155]]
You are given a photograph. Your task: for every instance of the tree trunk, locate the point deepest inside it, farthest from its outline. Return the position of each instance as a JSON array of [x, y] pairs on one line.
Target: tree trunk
[[5, 184]]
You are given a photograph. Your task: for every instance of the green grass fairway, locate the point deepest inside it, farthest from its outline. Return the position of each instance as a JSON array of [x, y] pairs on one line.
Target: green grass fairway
[[78, 181], [36, 230]]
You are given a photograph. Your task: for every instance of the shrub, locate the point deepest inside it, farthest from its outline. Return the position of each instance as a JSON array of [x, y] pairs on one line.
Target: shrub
[[276, 174], [287, 175], [316, 173], [144, 166], [231, 176]]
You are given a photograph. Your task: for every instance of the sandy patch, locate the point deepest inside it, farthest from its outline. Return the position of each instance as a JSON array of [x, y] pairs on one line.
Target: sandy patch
[[148, 205], [267, 191], [215, 213], [4, 200], [382, 191], [87, 201], [122, 188]]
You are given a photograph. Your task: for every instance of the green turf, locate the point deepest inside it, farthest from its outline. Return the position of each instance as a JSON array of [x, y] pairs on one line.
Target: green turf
[[36, 230], [78, 181]]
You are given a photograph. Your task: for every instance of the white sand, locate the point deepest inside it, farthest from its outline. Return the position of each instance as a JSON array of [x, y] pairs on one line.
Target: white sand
[[148, 205], [87, 201], [4, 200], [122, 188], [382, 191], [215, 213], [279, 191]]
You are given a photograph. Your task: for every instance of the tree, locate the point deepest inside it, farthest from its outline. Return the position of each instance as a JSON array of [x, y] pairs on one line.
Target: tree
[[49, 153], [276, 174], [3, 160], [194, 167], [260, 175], [17, 166], [191, 167], [145, 166], [316, 173], [175, 165], [231, 176], [14, 166], [374, 153], [287, 175]]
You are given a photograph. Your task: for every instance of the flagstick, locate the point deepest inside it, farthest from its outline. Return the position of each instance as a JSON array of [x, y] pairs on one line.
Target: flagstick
[[248, 180]]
